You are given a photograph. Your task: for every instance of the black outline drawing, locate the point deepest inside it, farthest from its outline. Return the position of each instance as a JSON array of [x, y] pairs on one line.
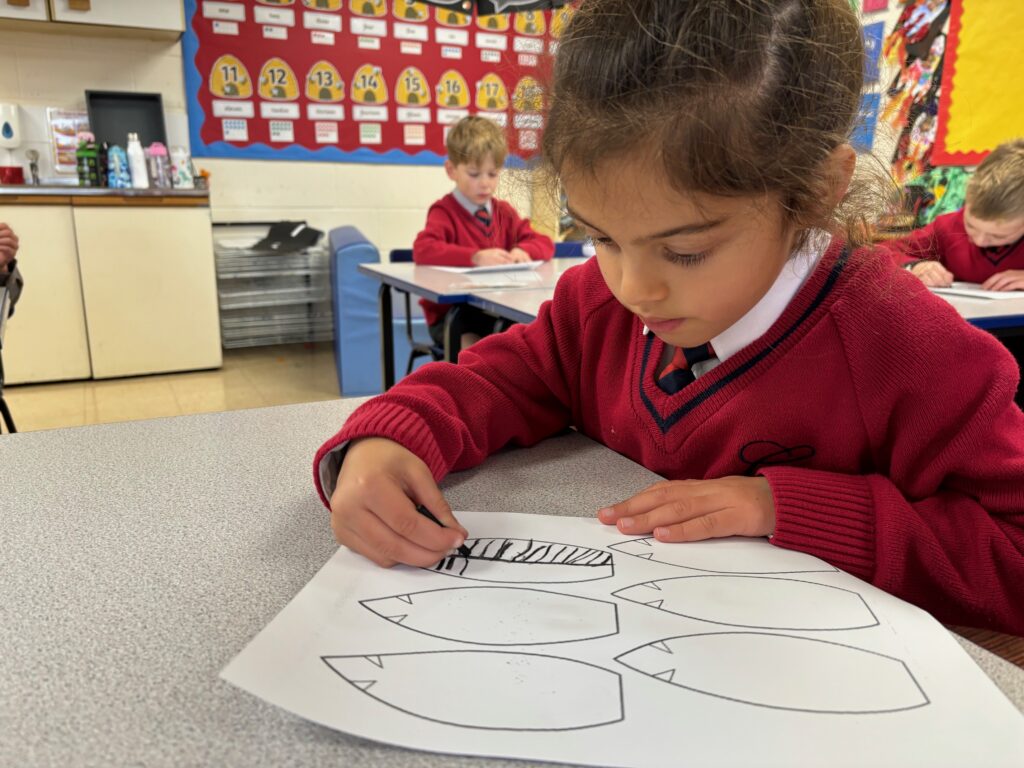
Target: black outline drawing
[[657, 603], [668, 675], [685, 551], [478, 685], [570, 563], [505, 606]]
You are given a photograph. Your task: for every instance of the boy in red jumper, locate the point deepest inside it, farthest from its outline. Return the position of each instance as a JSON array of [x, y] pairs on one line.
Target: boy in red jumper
[[470, 228], [983, 242], [729, 335]]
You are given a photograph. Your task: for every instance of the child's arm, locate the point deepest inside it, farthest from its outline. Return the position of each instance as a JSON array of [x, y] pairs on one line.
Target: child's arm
[[941, 523], [436, 244], [922, 244], [523, 237]]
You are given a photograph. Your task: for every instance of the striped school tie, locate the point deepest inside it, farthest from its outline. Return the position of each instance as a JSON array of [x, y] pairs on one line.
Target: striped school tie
[[483, 217], [678, 373]]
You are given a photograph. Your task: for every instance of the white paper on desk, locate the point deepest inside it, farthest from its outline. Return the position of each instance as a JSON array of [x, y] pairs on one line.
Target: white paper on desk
[[565, 641], [500, 280], [519, 265], [975, 291]]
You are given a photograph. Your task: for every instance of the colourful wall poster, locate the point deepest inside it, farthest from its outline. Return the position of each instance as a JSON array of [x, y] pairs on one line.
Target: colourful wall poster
[[981, 81], [863, 136], [873, 35], [376, 81]]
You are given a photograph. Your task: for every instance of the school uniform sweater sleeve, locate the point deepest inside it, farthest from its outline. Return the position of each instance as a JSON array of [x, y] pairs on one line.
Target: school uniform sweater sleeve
[[946, 432], [437, 244], [522, 235], [924, 244], [510, 388]]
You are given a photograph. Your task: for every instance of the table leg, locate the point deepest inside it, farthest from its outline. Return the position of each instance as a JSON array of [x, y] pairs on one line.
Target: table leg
[[387, 337], [452, 334]]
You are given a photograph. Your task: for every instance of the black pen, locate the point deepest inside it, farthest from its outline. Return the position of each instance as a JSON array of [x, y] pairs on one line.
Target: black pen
[[463, 550]]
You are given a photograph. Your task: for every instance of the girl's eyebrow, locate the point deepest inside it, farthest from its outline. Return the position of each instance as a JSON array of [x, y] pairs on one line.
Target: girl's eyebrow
[[684, 229]]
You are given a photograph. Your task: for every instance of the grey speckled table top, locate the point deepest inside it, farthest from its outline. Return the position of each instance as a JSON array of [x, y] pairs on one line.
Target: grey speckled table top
[[138, 559]]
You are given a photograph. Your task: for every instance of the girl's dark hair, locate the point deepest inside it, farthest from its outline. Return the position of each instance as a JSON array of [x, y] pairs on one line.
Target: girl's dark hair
[[731, 97]]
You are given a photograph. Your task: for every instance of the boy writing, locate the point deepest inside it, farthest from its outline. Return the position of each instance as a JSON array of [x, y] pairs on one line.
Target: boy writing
[[982, 243], [470, 228]]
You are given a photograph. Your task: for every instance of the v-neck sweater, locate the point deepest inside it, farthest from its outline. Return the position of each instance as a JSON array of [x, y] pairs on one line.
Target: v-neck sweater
[[945, 240], [884, 424]]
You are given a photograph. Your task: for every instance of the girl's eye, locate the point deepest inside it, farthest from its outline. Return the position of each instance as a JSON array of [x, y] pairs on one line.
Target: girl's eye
[[686, 259], [602, 242]]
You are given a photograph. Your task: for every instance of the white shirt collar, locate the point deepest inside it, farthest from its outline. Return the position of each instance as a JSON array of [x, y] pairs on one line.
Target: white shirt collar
[[466, 203], [763, 315]]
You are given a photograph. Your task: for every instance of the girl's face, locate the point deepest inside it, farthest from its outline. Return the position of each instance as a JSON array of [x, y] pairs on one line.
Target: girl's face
[[688, 266]]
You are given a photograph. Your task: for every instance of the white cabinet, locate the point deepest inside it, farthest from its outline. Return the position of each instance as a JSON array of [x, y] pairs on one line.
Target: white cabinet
[[140, 14], [46, 339], [35, 10], [149, 288]]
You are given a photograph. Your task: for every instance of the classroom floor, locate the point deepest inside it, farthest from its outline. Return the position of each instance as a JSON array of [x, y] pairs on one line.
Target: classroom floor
[[249, 378]]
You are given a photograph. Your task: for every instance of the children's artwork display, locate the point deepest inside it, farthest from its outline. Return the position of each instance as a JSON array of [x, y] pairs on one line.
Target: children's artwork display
[[360, 80], [917, 46], [559, 639], [981, 83]]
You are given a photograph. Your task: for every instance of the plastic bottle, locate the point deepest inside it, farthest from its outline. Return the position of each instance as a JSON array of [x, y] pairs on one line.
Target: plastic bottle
[[118, 175], [102, 160], [182, 173], [137, 163], [159, 164], [87, 160]]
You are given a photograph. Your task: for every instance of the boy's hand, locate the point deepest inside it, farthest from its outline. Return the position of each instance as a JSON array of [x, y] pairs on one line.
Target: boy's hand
[[693, 510], [8, 245], [932, 274], [373, 508], [490, 256], [518, 255], [1010, 280]]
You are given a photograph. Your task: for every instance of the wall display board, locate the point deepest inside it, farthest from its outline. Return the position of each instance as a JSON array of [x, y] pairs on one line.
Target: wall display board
[[981, 81], [375, 81]]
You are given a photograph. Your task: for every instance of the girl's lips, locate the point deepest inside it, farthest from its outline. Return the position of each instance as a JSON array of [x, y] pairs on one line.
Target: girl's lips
[[659, 325]]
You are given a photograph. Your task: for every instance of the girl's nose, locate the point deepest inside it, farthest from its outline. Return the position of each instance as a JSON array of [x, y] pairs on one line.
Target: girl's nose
[[640, 287]]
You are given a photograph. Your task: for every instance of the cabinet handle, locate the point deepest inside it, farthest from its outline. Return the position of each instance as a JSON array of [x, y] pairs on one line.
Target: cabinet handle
[[80, 5], [19, 3]]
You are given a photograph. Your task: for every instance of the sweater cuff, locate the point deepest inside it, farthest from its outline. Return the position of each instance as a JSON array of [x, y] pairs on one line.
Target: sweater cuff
[[391, 421], [825, 514]]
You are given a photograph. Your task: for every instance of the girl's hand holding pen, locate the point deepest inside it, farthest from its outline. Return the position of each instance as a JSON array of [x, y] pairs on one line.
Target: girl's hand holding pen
[[373, 507], [692, 510]]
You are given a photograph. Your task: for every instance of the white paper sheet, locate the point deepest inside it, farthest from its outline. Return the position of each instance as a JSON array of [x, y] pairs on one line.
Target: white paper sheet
[[519, 265], [975, 291], [559, 639]]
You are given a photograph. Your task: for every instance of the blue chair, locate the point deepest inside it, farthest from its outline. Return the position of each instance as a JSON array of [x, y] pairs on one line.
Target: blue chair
[[417, 348], [357, 345], [570, 249]]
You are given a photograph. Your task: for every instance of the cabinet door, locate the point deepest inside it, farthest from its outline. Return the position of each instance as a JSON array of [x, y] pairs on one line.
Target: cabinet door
[[34, 11], [150, 289], [151, 14], [45, 339]]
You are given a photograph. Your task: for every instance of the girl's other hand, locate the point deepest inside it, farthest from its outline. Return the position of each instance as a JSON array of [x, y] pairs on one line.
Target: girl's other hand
[[693, 510], [1010, 280], [373, 507], [519, 256], [933, 274], [489, 257]]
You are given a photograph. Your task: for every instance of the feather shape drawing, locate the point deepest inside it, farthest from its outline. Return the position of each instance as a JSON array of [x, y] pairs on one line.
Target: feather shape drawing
[[501, 690], [499, 615], [528, 561], [755, 601], [780, 672], [723, 556]]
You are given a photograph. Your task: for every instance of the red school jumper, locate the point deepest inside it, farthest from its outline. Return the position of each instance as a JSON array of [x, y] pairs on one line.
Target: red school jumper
[[451, 237], [884, 423], [945, 240]]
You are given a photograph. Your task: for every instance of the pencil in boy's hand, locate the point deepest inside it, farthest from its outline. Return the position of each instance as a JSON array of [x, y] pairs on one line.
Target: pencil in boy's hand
[[463, 549]]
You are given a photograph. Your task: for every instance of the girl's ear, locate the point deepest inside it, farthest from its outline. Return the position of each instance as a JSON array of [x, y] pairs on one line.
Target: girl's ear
[[841, 162]]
